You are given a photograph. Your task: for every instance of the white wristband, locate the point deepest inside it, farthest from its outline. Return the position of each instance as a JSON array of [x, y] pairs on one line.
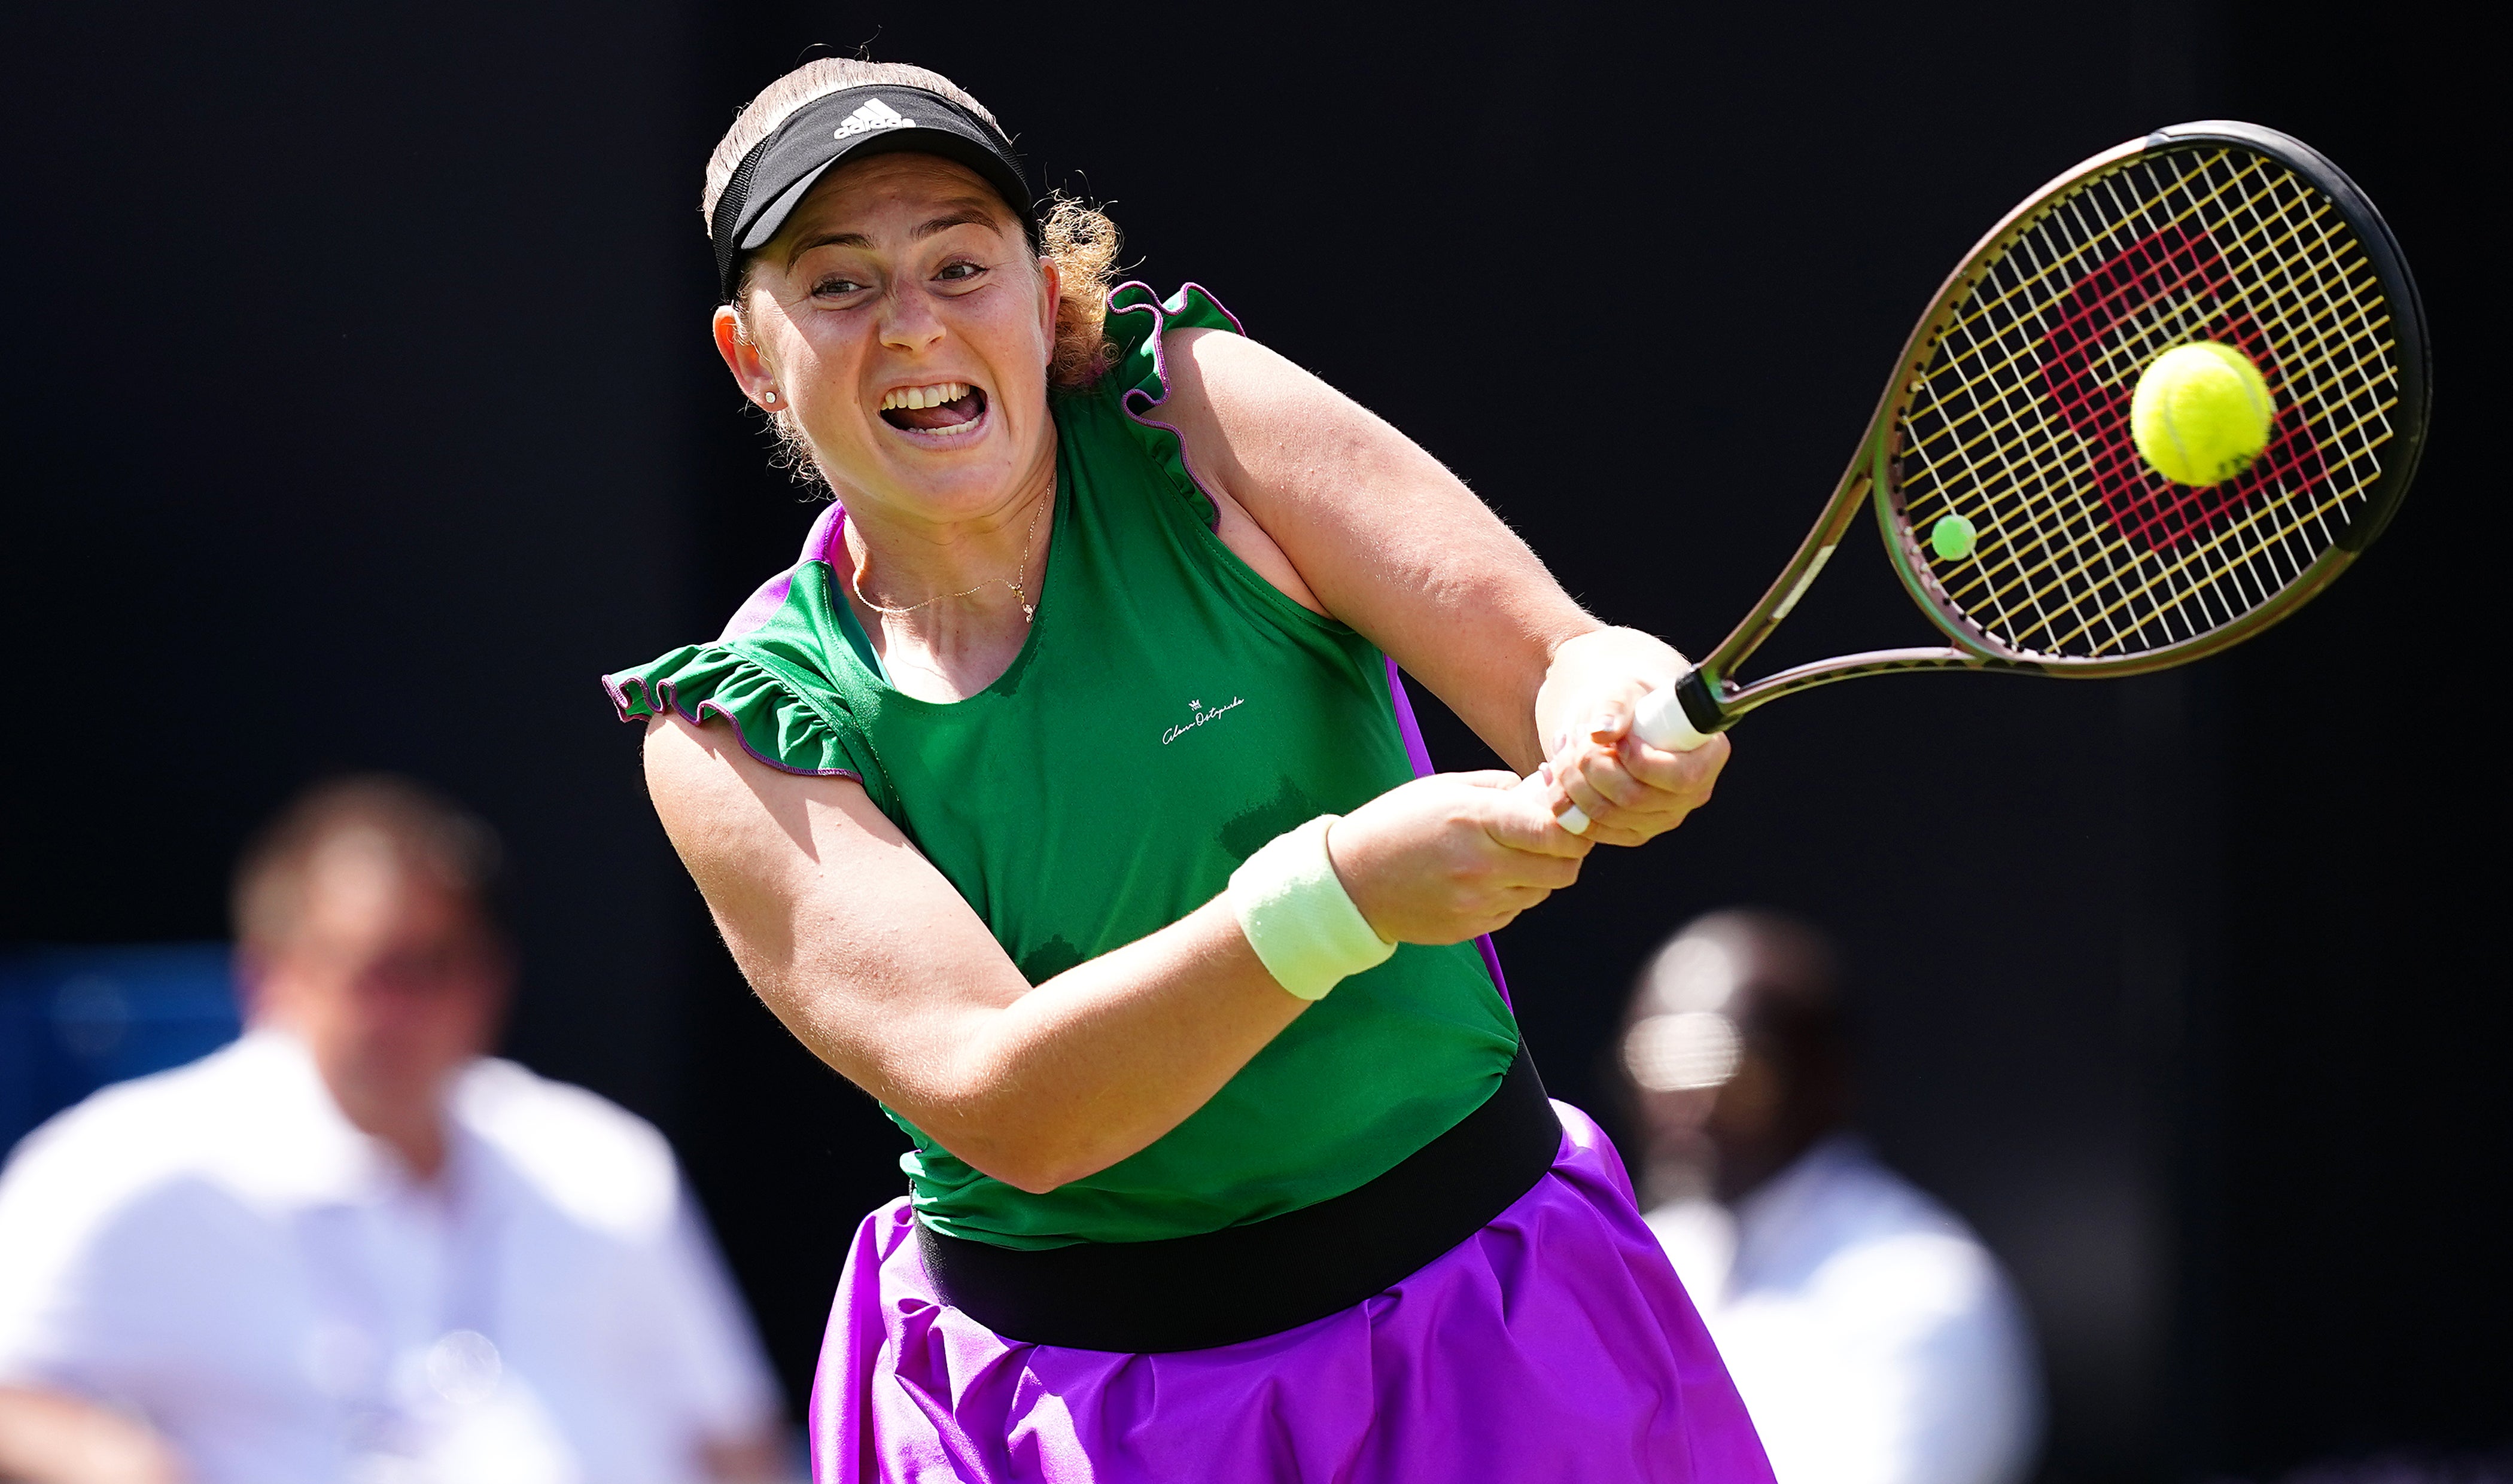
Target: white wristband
[[1298, 916]]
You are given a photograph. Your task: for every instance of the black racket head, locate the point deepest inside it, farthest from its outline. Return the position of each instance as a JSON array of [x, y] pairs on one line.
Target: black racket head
[[2012, 408]]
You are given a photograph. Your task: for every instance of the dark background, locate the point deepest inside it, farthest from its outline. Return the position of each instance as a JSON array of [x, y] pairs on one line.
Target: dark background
[[360, 413]]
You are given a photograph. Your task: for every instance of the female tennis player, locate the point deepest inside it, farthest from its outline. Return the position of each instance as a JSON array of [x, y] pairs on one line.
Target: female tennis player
[[1063, 797]]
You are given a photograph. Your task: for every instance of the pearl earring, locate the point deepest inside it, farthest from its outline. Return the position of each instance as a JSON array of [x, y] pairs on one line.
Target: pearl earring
[[767, 396]]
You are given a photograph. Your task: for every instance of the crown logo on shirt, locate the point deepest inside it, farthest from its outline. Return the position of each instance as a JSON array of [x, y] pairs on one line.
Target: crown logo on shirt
[[874, 114]]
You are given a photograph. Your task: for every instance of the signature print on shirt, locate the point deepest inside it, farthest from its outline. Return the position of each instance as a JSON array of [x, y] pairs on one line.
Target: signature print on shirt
[[1198, 716]]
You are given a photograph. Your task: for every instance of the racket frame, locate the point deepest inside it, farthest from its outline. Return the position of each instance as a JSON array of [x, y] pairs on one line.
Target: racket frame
[[1713, 700]]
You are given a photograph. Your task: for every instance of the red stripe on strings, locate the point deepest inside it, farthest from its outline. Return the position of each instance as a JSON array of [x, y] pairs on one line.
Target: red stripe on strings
[[2148, 509]]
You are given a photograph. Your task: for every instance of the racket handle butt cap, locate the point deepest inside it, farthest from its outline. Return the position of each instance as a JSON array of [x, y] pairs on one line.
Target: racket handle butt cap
[[1660, 720]]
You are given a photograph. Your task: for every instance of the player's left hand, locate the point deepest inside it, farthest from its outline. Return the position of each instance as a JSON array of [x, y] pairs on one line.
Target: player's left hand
[[1631, 791]]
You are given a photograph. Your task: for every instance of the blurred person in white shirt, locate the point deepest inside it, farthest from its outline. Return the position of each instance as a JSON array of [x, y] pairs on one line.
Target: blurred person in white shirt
[[1875, 1340], [351, 1246]]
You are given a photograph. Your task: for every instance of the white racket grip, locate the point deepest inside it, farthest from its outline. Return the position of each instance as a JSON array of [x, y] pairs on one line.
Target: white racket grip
[[1660, 720]]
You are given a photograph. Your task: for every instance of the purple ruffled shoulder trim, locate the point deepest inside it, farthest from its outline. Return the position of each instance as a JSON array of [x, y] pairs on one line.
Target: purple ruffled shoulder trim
[[1146, 364], [762, 605], [772, 719], [636, 699]]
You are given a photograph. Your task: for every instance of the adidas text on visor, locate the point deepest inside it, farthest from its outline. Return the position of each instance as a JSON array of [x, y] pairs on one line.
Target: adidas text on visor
[[850, 124]]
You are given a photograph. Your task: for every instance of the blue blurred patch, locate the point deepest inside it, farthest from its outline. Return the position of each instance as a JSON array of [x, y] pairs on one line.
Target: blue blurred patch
[[74, 1019]]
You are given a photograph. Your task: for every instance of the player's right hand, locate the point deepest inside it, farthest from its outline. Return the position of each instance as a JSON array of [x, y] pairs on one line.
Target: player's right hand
[[1452, 856]]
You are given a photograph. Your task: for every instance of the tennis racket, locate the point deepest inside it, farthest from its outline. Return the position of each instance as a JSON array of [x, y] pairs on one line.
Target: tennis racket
[[2009, 408]]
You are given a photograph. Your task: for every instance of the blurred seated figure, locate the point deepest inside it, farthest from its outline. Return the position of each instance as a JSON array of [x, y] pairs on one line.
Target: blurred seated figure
[[1874, 1339], [352, 1247]]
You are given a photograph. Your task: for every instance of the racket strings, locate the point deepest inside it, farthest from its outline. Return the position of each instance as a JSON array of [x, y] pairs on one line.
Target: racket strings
[[2172, 322], [2091, 305], [2116, 467], [2019, 419]]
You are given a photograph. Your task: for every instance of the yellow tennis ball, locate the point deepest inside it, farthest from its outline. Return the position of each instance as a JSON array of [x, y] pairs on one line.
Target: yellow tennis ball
[[2201, 414]]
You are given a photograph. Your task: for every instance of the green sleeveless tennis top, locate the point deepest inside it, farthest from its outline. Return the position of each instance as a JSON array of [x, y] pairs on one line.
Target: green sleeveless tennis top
[[1169, 712]]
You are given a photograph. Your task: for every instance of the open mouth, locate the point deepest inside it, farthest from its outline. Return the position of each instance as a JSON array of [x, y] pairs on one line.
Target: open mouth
[[943, 410]]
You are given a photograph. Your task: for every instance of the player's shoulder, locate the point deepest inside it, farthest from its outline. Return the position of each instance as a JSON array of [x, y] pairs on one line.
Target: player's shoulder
[[525, 1107], [135, 1129], [1864, 1199], [594, 1160], [1242, 384], [115, 1145], [1888, 1236]]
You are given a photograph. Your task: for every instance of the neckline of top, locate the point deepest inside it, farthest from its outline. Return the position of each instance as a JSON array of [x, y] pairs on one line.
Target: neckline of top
[[827, 544]]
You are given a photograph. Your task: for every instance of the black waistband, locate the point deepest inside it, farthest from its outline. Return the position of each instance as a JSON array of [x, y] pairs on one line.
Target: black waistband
[[1192, 1293]]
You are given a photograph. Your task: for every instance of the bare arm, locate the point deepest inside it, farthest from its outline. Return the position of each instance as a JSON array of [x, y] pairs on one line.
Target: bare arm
[[47, 1437], [1383, 537], [870, 957]]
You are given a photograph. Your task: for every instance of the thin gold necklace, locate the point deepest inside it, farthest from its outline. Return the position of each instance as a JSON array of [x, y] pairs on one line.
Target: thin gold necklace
[[1018, 581]]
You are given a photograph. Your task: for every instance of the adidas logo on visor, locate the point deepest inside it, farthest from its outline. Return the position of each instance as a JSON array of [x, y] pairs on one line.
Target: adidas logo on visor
[[874, 114]]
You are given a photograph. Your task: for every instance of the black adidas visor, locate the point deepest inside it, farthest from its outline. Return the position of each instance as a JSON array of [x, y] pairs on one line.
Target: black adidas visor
[[848, 125]]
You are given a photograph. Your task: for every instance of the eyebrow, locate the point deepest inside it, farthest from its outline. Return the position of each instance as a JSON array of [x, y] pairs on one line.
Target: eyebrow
[[965, 211]]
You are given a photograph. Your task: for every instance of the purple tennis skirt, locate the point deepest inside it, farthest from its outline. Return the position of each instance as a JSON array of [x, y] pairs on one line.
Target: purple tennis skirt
[[1554, 1345]]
